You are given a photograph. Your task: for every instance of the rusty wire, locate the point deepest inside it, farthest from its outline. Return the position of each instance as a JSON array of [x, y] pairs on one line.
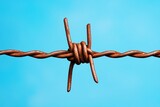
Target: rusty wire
[[79, 53]]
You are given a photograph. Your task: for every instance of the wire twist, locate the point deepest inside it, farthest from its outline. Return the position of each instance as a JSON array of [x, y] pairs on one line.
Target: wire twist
[[79, 53]]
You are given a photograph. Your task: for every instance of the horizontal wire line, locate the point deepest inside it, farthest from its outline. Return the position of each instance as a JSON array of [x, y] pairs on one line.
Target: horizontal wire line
[[67, 54]]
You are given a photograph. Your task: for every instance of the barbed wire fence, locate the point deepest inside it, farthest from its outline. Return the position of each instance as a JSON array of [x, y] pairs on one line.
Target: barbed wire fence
[[79, 53]]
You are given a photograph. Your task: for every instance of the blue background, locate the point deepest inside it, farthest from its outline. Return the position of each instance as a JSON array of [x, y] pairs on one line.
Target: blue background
[[120, 25]]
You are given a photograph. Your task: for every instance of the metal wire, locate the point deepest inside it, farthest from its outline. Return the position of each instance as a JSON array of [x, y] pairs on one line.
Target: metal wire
[[80, 53]]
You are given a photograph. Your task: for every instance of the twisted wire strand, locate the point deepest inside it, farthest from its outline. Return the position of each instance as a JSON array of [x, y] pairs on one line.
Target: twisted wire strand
[[36, 54], [131, 53], [67, 54], [79, 53]]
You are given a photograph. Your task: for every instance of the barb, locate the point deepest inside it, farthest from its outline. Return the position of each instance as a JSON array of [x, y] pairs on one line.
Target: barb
[[79, 53]]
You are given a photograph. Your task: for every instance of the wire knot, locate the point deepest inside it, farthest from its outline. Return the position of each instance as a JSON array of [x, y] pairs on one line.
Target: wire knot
[[80, 52]]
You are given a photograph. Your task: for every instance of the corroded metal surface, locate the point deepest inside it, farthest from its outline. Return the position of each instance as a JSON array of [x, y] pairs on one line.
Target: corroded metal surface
[[80, 53]]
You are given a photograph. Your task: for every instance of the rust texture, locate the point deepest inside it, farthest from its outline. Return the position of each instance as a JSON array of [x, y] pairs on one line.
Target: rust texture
[[80, 53]]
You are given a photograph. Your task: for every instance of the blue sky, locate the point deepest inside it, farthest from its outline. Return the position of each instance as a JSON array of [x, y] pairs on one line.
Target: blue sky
[[120, 25]]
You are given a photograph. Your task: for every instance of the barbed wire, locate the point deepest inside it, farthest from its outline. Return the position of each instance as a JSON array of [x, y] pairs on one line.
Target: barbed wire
[[79, 53]]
